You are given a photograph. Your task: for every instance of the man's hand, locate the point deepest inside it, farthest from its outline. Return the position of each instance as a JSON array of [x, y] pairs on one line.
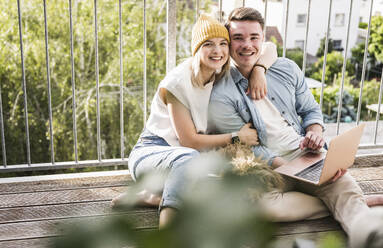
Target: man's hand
[[338, 175], [257, 88], [313, 139]]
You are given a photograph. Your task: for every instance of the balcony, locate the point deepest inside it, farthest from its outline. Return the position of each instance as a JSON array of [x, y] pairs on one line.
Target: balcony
[[77, 78]]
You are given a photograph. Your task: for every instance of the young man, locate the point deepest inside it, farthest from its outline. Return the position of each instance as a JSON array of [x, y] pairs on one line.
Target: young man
[[287, 120]]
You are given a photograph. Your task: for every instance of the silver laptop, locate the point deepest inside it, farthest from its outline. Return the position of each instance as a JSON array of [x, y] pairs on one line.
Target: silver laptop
[[318, 168]]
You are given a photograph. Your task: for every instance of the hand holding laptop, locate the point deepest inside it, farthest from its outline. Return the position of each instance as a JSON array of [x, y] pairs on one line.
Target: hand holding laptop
[[339, 174]]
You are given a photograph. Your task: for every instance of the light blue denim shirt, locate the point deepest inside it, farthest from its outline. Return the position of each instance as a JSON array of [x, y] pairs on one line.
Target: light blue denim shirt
[[230, 108]]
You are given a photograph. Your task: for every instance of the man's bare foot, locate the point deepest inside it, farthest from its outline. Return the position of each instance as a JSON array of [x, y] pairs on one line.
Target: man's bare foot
[[374, 200], [142, 199]]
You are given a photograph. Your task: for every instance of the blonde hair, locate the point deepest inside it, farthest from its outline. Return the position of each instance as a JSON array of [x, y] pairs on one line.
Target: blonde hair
[[196, 70]]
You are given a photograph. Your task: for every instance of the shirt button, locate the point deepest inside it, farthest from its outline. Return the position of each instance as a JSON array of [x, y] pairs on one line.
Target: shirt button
[[283, 112], [272, 99], [292, 124]]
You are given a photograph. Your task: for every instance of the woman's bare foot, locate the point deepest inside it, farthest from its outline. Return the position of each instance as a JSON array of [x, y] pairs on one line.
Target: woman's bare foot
[[374, 200], [145, 198], [142, 199]]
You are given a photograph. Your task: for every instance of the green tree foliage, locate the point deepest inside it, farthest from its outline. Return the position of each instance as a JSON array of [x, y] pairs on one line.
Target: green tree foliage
[[330, 47], [375, 51], [334, 66], [85, 73], [375, 46], [330, 96]]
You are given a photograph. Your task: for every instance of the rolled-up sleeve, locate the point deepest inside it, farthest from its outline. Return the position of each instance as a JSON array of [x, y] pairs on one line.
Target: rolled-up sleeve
[[306, 106]]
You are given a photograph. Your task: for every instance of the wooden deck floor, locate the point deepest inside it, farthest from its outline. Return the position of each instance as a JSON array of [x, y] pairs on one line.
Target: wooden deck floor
[[32, 208]]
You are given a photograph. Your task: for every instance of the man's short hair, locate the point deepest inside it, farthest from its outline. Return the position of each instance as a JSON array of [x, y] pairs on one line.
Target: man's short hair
[[244, 14]]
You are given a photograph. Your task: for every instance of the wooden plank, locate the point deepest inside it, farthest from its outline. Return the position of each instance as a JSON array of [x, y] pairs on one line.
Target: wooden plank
[[360, 174], [49, 228], [51, 212], [319, 225], [107, 193], [371, 187], [29, 243], [37, 210], [365, 174], [368, 161], [59, 197], [62, 184], [145, 220]]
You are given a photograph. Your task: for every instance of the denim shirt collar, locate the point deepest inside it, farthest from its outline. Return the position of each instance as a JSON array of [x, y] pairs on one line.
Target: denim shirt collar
[[238, 78]]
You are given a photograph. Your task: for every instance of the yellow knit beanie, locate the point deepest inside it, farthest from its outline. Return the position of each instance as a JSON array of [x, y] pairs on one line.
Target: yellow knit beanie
[[206, 28]]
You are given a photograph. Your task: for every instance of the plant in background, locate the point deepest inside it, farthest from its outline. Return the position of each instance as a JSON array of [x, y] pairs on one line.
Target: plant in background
[[334, 66], [350, 100]]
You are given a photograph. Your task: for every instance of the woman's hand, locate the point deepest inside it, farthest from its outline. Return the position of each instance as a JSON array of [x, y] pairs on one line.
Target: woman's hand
[[248, 135], [257, 88]]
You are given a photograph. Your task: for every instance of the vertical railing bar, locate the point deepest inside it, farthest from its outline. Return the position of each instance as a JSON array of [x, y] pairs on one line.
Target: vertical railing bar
[[265, 17], [220, 11], [2, 133], [378, 110], [306, 37], [343, 70], [364, 65], [73, 84], [171, 37], [49, 83], [196, 10], [325, 55], [24, 86], [122, 145], [97, 83], [286, 25], [144, 86], [243, 3]]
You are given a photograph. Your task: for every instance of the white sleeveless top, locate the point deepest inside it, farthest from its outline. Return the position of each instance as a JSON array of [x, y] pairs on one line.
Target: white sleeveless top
[[178, 82]]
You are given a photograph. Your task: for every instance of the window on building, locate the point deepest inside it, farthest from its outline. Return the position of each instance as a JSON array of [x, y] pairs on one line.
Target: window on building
[[301, 19], [300, 44], [337, 45], [339, 19]]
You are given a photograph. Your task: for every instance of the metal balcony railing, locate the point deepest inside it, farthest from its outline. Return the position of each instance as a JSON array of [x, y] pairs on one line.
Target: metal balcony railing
[[170, 63]]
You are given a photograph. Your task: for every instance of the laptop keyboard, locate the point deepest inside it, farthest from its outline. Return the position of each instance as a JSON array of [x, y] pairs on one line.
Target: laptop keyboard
[[313, 172]]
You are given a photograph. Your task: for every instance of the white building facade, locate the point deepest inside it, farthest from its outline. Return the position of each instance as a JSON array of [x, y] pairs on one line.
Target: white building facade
[[318, 18], [377, 9]]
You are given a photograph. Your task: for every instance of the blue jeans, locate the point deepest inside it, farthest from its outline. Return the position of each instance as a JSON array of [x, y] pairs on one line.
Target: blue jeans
[[153, 154]]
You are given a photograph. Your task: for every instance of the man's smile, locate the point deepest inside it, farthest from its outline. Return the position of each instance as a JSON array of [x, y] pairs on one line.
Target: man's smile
[[246, 53]]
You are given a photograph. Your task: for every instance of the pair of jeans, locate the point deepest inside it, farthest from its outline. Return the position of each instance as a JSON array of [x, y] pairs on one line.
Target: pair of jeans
[[152, 154]]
